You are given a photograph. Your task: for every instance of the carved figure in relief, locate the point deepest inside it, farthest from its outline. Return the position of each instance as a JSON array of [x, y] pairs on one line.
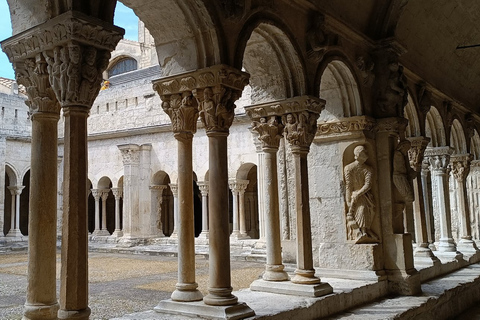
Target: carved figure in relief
[[73, 73], [403, 174], [63, 78], [360, 200], [207, 111], [395, 97], [89, 72]]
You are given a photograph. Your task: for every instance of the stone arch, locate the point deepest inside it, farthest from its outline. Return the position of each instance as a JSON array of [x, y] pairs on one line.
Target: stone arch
[[104, 183], [457, 138], [184, 32], [434, 128], [413, 128], [265, 48], [339, 88], [475, 145], [121, 59], [12, 174], [161, 178], [91, 207], [25, 202]]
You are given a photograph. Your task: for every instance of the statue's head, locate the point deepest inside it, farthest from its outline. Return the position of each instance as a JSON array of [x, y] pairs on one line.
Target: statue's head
[[360, 153]]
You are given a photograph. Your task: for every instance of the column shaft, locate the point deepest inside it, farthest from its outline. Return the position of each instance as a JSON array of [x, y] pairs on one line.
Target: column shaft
[[220, 290], [74, 271], [241, 209], [427, 202], [42, 230], [446, 240], [104, 214], [236, 230], [186, 288]]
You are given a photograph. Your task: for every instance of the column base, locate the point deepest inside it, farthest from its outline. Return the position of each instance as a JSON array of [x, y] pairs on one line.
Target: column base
[[174, 235], [467, 246], [201, 310], [47, 312], [15, 233], [117, 233], [103, 233], [74, 314], [290, 288], [424, 256], [203, 235], [128, 241], [220, 297], [236, 235], [446, 245], [305, 277], [187, 295], [274, 272], [404, 282]]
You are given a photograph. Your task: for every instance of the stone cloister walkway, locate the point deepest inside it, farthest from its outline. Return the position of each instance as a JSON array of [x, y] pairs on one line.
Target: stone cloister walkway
[[126, 283]]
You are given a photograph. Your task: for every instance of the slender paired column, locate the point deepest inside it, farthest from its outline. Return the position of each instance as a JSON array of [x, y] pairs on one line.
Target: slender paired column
[[460, 165], [260, 185], [157, 194], [182, 109], [238, 190], [104, 196], [269, 131], [117, 193], [439, 158], [41, 301], [204, 190], [427, 202], [77, 50], [174, 189], [97, 193], [15, 191], [416, 152]]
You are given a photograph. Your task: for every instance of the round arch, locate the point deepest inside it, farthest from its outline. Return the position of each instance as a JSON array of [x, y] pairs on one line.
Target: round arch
[[339, 88], [104, 183], [434, 128], [475, 145], [12, 173], [411, 114], [457, 138], [265, 47]]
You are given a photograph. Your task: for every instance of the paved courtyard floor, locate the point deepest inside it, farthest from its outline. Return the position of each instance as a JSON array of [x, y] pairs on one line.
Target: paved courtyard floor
[[119, 283]]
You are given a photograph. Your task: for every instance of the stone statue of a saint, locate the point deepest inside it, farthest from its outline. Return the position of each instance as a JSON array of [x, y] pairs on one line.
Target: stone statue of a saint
[[360, 200]]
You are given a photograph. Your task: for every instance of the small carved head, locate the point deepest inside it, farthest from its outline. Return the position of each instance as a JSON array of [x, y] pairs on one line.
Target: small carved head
[[290, 118], [207, 94], [74, 53], [360, 154]]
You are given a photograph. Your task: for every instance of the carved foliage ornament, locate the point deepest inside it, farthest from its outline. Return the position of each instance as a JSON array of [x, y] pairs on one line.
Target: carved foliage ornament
[[270, 130], [416, 151], [33, 74], [182, 110], [130, 156], [70, 26], [460, 166], [347, 125]]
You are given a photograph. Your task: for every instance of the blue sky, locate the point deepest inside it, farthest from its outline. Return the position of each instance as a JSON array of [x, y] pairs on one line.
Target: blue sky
[[124, 17]]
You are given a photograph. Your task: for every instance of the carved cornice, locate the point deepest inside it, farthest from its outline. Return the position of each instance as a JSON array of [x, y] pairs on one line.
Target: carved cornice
[[59, 31], [200, 79], [238, 185], [359, 123], [282, 107], [460, 165], [394, 124], [416, 151], [130, 154]]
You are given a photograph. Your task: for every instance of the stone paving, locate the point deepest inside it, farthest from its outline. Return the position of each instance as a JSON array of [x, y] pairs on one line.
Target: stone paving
[[119, 283]]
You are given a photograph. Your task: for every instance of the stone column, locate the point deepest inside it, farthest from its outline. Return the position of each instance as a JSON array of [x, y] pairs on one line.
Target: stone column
[[416, 152], [97, 193], [300, 127], [15, 191], [215, 89], [260, 185], [41, 298], [204, 190], [270, 130], [104, 196], [427, 202], [238, 190], [131, 160], [117, 193], [182, 109], [76, 49], [157, 193], [174, 189], [439, 159], [460, 165]]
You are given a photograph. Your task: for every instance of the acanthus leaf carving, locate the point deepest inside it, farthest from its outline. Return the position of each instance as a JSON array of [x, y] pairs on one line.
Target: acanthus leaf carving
[[270, 130], [347, 125], [183, 112], [460, 166]]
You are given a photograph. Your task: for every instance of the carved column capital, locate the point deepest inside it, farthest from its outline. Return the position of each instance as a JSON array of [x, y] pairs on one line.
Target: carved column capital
[[76, 48], [416, 151], [158, 188], [96, 193], [117, 192], [460, 166], [104, 194], [439, 158], [203, 186], [33, 74], [238, 185], [174, 188], [130, 153], [16, 190]]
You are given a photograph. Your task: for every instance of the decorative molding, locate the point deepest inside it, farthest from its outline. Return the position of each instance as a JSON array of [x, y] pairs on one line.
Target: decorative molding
[[281, 107], [71, 26], [359, 123], [130, 154], [393, 124]]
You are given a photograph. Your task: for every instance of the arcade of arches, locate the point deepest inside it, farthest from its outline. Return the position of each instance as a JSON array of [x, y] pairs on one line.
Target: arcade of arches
[[342, 139]]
